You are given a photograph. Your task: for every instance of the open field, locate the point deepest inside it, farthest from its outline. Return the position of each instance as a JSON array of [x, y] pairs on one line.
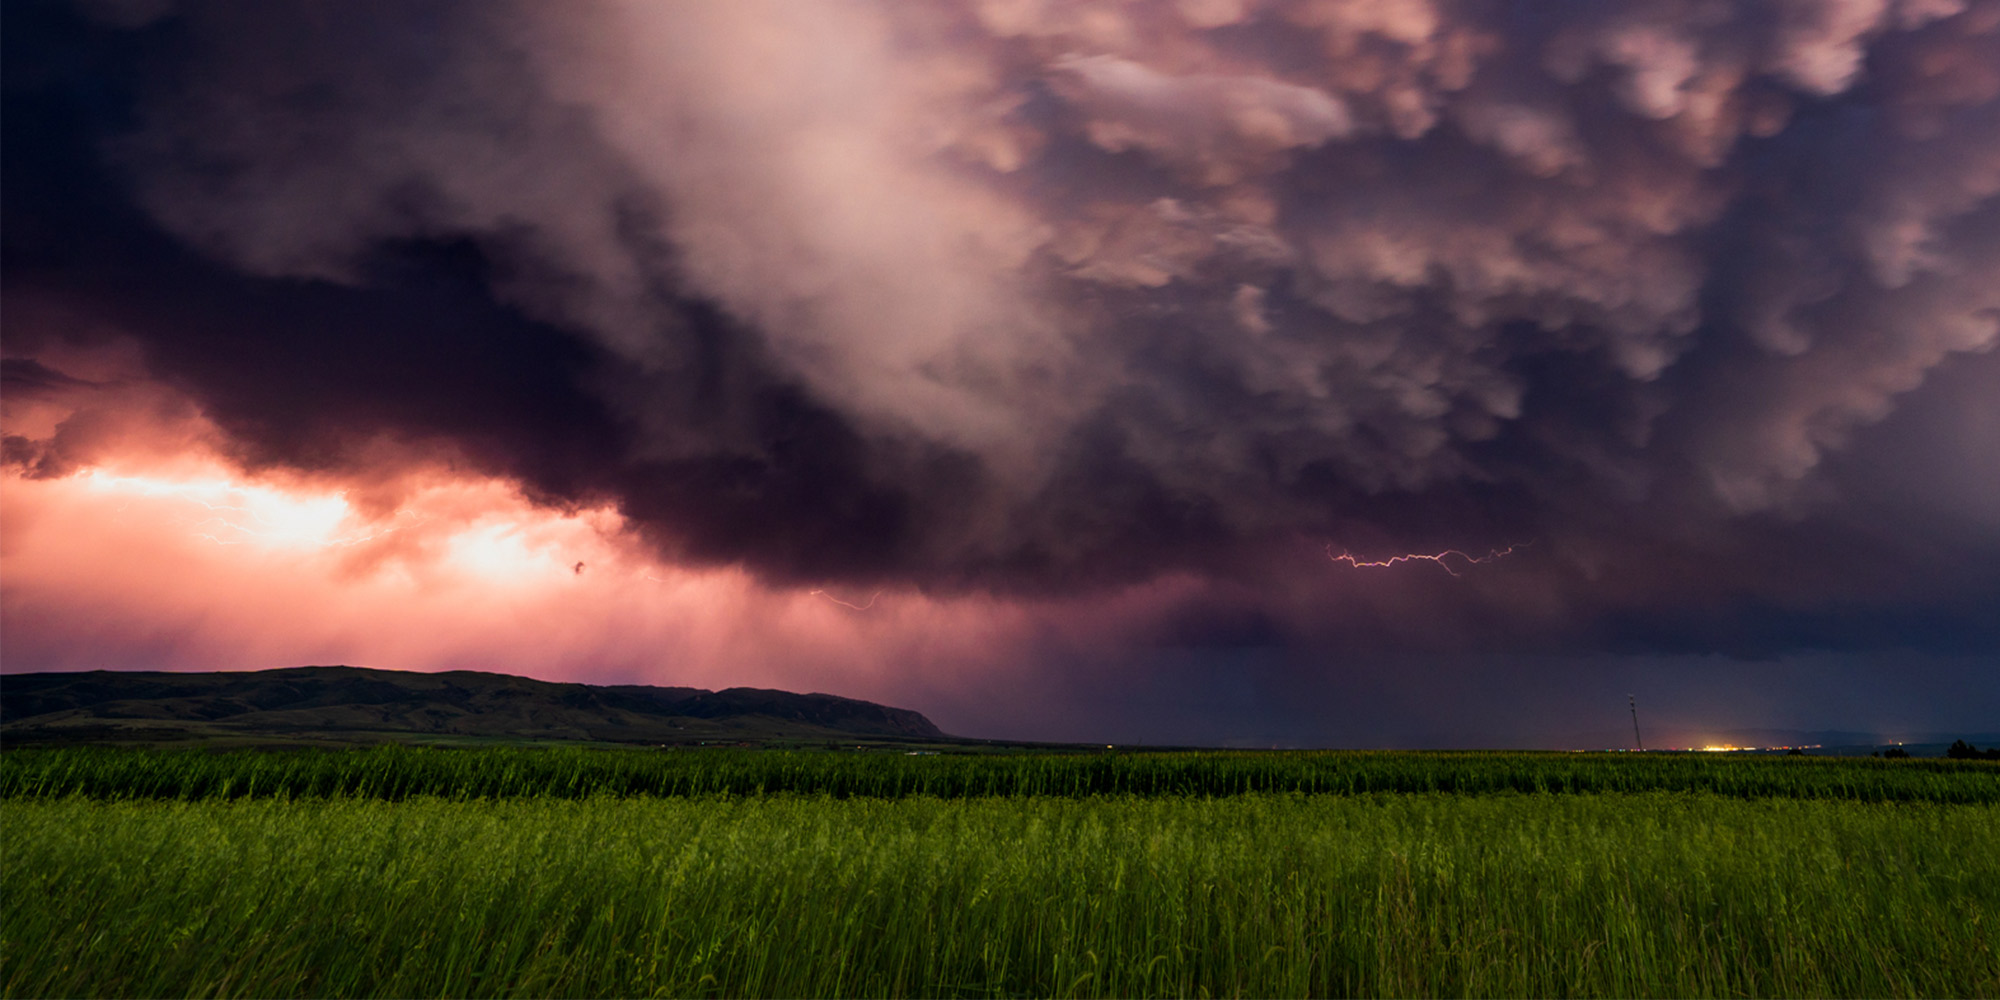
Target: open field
[[1866, 878], [394, 772]]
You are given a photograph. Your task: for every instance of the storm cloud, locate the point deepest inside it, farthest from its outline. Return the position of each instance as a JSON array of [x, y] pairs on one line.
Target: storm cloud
[[1691, 304]]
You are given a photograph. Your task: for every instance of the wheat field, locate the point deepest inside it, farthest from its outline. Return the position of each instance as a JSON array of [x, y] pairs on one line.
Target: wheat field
[[585, 891]]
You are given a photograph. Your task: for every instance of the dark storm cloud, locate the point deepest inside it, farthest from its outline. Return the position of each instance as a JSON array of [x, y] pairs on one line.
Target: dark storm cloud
[[1053, 298]]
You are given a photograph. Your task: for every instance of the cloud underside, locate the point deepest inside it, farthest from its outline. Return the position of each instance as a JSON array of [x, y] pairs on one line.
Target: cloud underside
[[1689, 302]]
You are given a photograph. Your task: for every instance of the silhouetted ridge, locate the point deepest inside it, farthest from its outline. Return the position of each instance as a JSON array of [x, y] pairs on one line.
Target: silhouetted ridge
[[339, 699]]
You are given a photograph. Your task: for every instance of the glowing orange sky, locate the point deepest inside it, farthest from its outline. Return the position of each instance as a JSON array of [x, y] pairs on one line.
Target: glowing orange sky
[[215, 569]]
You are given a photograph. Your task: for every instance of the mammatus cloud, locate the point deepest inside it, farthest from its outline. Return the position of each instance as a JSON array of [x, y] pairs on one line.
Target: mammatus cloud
[[1061, 298]]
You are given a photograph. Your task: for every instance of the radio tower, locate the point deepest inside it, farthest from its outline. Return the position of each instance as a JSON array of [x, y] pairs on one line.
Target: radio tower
[[1636, 741]]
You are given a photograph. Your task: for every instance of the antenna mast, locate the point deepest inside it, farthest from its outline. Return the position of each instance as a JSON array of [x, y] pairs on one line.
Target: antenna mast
[[1636, 741]]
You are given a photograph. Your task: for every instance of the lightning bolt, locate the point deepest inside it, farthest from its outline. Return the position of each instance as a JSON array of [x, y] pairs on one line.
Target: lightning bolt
[[844, 604], [1434, 557]]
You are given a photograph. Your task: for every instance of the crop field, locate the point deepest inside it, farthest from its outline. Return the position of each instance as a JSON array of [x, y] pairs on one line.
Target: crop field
[[400, 872], [397, 772]]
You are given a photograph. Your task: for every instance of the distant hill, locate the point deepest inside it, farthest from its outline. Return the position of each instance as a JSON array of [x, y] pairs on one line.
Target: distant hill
[[309, 705]]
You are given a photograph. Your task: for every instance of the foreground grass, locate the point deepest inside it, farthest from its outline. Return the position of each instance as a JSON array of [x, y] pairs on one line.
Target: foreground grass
[[786, 895]]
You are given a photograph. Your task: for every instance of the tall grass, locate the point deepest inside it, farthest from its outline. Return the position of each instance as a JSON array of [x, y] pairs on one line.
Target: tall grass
[[398, 772], [787, 895]]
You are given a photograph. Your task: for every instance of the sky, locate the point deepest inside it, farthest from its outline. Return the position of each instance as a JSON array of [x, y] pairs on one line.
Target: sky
[[1232, 372]]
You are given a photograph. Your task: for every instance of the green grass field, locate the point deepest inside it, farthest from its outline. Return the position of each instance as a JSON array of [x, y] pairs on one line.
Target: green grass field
[[395, 772], [586, 873]]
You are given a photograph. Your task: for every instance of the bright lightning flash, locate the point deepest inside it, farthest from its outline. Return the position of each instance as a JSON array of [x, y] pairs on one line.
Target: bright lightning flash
[[1442, 559], [478, 529], [239, 513]]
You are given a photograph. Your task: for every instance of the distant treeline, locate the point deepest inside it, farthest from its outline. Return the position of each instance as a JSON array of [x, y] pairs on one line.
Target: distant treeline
[[1959, 750], [397, 772]]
